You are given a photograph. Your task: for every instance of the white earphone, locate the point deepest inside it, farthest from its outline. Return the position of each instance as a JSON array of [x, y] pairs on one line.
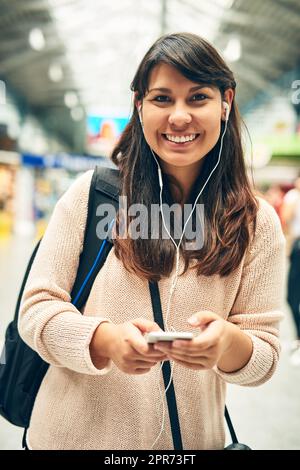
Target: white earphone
[[227, 110]]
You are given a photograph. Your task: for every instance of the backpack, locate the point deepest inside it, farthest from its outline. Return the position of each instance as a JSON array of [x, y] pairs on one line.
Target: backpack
[[21, 368]]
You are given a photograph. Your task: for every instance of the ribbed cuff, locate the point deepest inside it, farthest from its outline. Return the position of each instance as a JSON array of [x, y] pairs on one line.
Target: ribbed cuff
[[89, 363], [257, 368], [65, 342]]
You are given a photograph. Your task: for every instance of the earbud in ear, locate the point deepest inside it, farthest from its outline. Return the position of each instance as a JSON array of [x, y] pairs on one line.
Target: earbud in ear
[[227, 110]]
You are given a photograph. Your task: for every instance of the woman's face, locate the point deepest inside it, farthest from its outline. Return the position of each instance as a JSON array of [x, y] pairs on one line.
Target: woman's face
[[182, 119]]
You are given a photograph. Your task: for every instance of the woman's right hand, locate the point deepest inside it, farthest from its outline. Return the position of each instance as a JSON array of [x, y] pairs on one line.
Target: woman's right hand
[[126, 346]]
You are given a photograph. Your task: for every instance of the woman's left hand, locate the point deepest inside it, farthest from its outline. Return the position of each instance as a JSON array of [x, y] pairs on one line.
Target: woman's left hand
[[206, 349]]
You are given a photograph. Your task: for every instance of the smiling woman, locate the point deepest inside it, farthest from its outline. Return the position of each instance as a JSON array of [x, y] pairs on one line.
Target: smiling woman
[[180, 89], [181, 127], [182, 144]]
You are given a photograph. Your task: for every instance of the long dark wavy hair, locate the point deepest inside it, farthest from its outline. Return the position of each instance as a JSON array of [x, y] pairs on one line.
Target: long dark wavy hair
[[229, 203]]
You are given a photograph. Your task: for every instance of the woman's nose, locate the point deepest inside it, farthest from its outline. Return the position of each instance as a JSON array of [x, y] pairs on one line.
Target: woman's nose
[[179, 118]]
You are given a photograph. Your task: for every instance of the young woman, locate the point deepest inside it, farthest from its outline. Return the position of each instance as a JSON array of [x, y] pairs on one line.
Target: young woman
[[103, 387]]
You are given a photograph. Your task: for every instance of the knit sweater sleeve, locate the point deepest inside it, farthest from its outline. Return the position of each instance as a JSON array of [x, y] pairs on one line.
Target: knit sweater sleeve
[[257, 306], [48, 322]]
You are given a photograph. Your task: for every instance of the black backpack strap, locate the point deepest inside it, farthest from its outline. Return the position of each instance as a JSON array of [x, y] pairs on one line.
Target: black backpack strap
[[171, 397], [104, 189], [24, 442], [16, 315], [230, 427]]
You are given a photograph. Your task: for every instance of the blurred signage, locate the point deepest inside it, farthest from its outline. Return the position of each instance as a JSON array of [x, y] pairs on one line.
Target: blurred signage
[[66, 161], [288, 145], [103, 133]]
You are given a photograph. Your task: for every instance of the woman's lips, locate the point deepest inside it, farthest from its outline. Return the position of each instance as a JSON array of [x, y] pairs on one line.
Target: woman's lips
[[178, 145]]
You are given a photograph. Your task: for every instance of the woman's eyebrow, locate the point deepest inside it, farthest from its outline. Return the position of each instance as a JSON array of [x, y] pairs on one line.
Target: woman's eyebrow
[[167, 90]]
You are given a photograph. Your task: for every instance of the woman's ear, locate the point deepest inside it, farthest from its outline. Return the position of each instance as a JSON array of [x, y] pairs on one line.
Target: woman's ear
[[228, 97], [138, 104]]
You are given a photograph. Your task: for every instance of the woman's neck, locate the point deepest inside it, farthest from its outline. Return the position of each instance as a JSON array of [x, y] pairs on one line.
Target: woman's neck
[[185, 177]]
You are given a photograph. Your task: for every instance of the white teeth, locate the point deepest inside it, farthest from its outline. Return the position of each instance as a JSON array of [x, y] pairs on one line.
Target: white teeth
[[180, 139]]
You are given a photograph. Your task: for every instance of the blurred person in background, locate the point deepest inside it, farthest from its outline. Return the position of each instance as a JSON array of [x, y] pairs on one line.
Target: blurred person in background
[[291, 218], [274, 195], [103, 389]]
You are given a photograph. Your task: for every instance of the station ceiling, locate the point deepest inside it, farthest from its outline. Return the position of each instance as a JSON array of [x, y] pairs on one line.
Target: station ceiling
[[93, 47]]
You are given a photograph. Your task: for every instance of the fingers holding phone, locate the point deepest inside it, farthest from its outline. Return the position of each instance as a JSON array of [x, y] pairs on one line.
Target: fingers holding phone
[[126, 346]]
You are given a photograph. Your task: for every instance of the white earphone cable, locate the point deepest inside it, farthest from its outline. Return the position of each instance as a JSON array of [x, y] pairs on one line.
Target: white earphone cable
[[162, 396], [175, 278]]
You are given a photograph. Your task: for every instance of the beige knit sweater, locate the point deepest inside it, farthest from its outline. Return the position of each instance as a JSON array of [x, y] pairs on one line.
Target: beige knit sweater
[[81, 407]]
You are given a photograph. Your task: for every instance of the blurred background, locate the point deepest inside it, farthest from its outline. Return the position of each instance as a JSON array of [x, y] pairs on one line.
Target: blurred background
[[65, 73]]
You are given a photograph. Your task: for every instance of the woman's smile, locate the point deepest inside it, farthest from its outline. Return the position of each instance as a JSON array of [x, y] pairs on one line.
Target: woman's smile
[[181, 142]]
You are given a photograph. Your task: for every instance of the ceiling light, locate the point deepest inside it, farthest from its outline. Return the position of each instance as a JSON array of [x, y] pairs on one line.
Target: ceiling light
[[71, 99], [77, 114], [37, 39], [226, 3], [55, 72], [233, 50]]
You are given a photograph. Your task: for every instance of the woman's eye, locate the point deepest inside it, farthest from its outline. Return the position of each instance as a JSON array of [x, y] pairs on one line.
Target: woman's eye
[[161, 98], [198, 97], [167, 99]]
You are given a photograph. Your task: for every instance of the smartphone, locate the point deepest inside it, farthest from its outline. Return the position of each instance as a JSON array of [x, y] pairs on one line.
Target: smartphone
[[155, 336]]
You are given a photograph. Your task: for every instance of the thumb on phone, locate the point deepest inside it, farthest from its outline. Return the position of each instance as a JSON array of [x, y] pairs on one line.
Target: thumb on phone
[[203, 318], [145, 326]]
